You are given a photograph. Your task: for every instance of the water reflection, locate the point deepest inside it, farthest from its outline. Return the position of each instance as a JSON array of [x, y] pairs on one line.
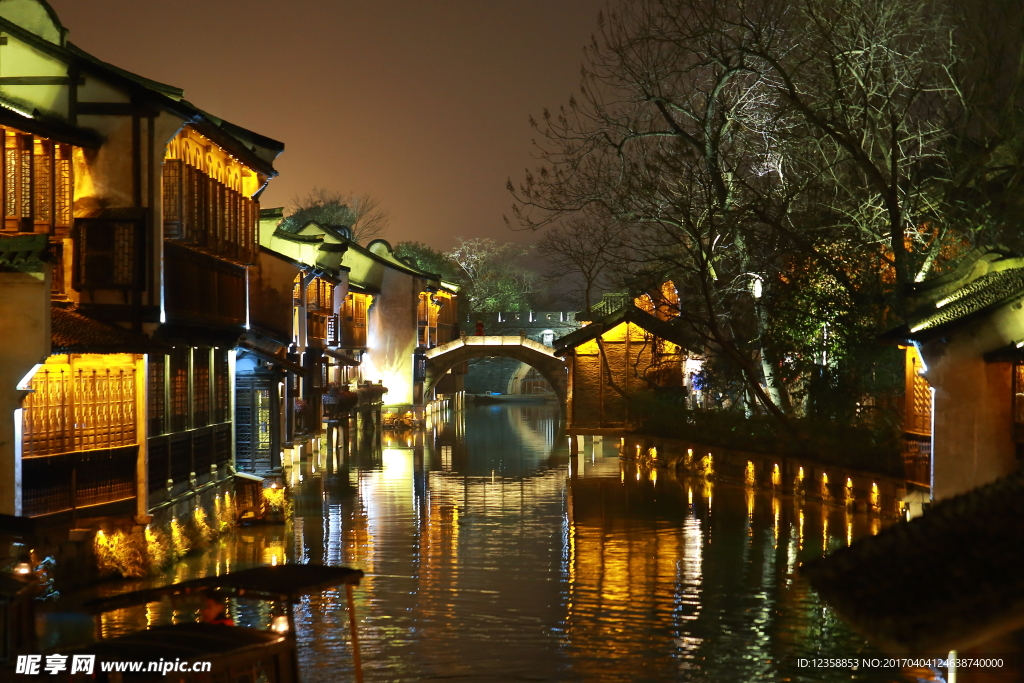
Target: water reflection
[[491, 554]]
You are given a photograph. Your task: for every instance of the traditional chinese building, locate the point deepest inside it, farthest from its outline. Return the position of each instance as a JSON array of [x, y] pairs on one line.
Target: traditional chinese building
[[408, 310], [965, 373], [291, 355], [149, 208], [630, 349]]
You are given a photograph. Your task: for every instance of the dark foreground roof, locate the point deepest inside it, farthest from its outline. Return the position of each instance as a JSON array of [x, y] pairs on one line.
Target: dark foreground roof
[[281, 582], [185, 642], [72, 332], [23, 253], [944, 581], [988, 291]]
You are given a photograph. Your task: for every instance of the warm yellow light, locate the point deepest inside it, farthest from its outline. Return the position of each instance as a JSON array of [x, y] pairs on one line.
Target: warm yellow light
[[279, 624]]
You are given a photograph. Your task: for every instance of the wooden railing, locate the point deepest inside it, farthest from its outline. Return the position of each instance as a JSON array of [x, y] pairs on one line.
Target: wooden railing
[[69, 481], [207, 215], [79, 409], [174, 459]]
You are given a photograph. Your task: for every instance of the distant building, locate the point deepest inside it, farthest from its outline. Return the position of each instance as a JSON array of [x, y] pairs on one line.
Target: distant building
[[361, 315], [633, 348]]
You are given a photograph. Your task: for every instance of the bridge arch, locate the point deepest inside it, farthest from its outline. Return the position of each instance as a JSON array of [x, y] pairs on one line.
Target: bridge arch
[[441, 359]]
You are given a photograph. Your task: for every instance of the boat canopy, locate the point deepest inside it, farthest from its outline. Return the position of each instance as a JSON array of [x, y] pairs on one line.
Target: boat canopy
[[284, 582]]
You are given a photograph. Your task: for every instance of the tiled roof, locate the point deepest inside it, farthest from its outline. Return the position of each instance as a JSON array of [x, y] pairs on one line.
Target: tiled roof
[[72, 332], [23, 253], [629, 313], [936, 582], [985, 292]]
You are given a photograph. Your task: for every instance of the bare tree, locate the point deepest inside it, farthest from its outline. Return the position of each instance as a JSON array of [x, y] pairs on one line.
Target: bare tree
[[584, 247], [362, 214], [787, 163]]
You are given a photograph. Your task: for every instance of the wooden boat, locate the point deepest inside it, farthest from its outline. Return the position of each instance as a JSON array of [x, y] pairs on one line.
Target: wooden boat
[[236, 654]]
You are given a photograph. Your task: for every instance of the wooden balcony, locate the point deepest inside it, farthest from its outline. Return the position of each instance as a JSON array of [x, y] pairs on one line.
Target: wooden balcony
[[201, 289], [180, 461], [207, 215]]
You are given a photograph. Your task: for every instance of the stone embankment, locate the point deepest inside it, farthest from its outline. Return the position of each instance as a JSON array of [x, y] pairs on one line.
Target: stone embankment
[[796, 476]]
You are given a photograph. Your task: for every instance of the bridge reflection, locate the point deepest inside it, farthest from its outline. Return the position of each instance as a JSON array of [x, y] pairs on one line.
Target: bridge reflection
[[490, 553]]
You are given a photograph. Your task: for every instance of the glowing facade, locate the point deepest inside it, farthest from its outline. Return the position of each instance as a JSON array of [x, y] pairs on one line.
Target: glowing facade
[[149, 207], [626, 351]]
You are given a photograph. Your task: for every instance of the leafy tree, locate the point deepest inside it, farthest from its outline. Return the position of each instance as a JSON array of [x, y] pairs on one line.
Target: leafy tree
[[428, 259], [492, 276], [362, 214], [488, 273]]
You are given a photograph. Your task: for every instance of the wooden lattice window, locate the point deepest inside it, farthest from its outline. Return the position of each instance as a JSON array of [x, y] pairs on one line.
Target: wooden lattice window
[[221, 386], [64, 187], [25, 179], [42, 179], [178, 379], [254, 424], [77, 409], [37, 183], [105, 254], [200, 387], [12, 153], [360, 311], [919, 398], [174, 211], [156, 397]]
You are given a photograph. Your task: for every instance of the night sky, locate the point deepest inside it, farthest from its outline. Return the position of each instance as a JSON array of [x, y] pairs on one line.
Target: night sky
[[423, 103]]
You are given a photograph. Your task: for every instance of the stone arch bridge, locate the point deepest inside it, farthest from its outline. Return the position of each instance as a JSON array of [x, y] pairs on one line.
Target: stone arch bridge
[[443, 358]]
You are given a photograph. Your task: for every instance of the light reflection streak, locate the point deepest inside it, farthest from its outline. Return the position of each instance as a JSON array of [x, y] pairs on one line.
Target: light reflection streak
[[591, 576]]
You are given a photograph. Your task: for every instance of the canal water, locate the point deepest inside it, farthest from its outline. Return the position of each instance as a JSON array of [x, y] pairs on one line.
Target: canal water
[[492, 555]]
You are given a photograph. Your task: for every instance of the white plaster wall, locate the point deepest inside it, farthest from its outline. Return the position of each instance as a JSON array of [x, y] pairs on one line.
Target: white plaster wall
[[25, 316], [972, 441], [392, 335]]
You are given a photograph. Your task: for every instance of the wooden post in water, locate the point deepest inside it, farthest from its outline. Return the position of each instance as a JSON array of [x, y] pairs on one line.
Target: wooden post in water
[[356, 659]]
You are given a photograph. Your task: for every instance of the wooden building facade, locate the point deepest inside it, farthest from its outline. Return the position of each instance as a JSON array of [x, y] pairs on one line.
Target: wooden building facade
[[150, 208], [626, 351]]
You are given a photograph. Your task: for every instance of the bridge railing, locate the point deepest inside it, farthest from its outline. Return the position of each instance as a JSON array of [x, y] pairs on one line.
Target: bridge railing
[[490, 340]]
